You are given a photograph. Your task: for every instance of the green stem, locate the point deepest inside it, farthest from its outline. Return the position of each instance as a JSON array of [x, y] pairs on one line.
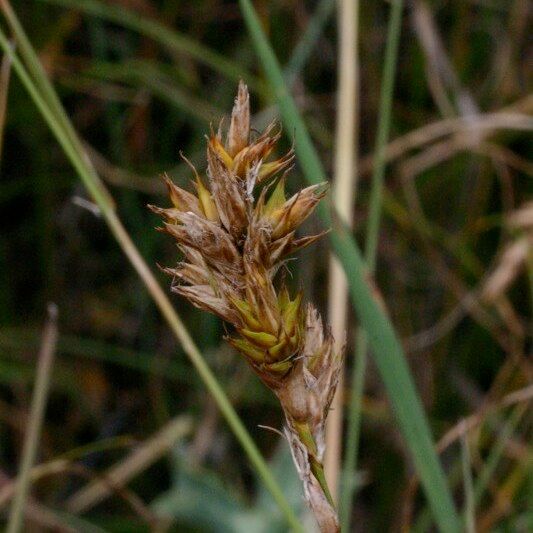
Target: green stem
[[496, 452], [307, 439], [353, 428], [469, 510]]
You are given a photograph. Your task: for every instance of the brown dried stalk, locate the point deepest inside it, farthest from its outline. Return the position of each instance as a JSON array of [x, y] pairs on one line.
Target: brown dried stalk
[[234, 244]]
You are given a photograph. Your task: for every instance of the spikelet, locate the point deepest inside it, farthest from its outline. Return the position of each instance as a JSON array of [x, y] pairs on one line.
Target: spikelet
[[233, 245]]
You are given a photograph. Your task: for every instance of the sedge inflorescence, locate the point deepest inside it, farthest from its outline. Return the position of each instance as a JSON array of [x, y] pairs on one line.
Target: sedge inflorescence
[[235, 233]]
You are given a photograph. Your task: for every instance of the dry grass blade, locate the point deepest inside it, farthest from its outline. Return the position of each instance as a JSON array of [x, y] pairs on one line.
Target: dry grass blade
[[514, 256], [484, 125], [344, 192], [57, 466], [138, 460], [455, 433], [62, 467], [442, 74], [31, 440], [37, 513], [444, 150]]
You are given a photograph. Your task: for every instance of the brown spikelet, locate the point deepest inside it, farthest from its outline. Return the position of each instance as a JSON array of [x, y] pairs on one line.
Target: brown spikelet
[[233, 243], [239, 130]]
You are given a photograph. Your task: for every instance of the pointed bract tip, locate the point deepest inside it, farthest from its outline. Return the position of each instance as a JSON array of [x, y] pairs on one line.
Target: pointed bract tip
[[239, 130]]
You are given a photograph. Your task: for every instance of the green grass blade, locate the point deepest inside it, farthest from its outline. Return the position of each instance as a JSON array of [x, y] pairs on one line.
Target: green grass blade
[[387, 350], [498, 448], [468, 488], [79, 162], [353, 427]]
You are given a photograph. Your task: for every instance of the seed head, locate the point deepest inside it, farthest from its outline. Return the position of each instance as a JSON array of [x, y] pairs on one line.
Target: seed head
[[234, 239], [233, 244]]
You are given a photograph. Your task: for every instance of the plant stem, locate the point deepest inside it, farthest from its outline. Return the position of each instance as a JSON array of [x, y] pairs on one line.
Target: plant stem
[[345, 172], [469, 503], [371, 245], [33, 432]]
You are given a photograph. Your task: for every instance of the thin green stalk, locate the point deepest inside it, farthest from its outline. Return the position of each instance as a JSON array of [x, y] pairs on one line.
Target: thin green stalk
[[468, 487], [496, 452], [31, 441], [79, 162], [371, 242], [169, 38], [353, 427], [386, 348], [423, 521], [385, 107]]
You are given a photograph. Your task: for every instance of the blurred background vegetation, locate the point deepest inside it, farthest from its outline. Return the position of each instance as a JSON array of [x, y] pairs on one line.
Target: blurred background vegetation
[[142, 80]]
